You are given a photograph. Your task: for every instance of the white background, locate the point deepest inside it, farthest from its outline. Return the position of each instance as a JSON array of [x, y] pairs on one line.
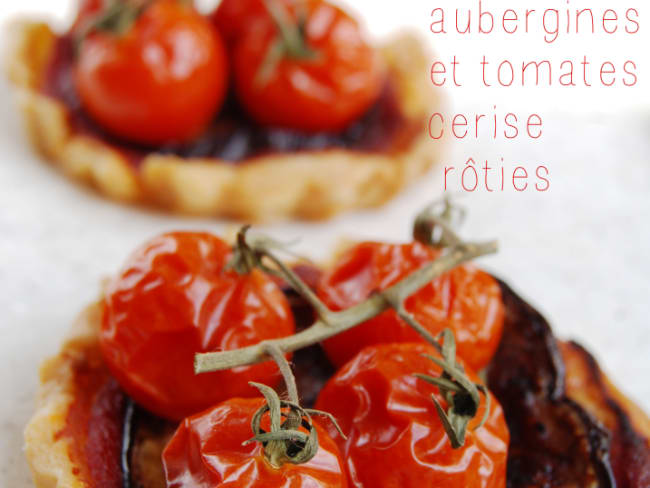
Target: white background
[[579, 252]]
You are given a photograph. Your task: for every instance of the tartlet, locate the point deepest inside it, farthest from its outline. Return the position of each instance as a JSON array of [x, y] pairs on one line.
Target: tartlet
[[308, 178], [569, 425]]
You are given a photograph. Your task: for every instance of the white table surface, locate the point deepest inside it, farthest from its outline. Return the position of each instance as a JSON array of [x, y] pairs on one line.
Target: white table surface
[[579, 252]]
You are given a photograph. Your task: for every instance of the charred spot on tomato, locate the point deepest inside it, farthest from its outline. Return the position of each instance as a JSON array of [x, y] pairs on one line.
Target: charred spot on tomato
[[464, 404], [233, 136]]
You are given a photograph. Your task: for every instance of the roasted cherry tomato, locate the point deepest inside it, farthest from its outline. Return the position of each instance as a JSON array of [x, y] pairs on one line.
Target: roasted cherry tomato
[[206, 451], [173, 299], [466, 300], [159, 82], [323, 79], [395, 436], [234, 17]]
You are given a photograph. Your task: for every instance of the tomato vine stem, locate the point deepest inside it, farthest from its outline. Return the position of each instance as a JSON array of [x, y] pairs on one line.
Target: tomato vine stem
[[433, 226], [286, 443], [290, 42], [338, 322]]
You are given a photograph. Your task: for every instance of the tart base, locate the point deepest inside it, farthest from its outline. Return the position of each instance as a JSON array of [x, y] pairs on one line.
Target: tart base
[[309, 185]]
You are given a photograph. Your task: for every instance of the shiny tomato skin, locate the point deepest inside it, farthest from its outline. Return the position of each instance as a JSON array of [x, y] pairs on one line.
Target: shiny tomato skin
[[465, 299], [234, 17], [395, 437], [206, 451], [174, 299], [324, 93], [160, 82]]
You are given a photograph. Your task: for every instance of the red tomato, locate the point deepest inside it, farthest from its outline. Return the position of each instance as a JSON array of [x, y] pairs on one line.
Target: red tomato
[[234, 17], [206, 451], [395, 437], [160, 82], [174, 299], [466, 299], [325, 92]]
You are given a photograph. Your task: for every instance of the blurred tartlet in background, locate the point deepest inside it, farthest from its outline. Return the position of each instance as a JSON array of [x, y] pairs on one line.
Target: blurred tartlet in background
[[260, 110]]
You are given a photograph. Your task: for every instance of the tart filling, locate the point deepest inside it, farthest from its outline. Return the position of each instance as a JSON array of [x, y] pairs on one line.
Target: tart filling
[[233, 137], [188, 304], [86, 433]]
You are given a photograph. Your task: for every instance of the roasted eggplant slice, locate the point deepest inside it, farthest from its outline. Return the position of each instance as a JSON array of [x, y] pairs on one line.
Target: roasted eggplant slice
[[553, 441]]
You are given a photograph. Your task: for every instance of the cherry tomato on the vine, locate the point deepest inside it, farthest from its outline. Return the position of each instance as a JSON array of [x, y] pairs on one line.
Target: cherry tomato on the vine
[[234, 17], [395, 436], [206, 451], [173, 299], [324, 78], [159, 82], [465, 299]]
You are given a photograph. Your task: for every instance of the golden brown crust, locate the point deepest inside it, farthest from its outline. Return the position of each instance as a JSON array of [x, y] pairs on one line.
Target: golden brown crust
[[47, 451], [306, 185], [628, 427]]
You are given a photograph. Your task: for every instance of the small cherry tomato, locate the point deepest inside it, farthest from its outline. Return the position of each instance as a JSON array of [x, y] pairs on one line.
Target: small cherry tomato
[[322, 78], [206, 451], [234, 17], [395, 436], [173, 299], [465, 299], [159, 82]]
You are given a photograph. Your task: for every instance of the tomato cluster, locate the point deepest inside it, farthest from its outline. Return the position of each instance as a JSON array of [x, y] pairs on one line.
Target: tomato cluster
[[466, 299], [158, 72], [178, 295]]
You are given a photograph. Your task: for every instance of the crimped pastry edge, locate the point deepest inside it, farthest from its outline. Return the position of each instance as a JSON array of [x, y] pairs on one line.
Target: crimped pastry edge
[[310, 185], [47, 452]]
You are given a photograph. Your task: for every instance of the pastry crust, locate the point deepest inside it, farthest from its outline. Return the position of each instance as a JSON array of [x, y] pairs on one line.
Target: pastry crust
[[307, 184], [47, 451]]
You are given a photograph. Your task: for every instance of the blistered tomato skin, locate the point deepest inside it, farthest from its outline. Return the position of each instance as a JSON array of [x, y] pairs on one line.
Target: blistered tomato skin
[[465, 299], [325, 92], [160, 82], [395, 437], [206, 451], [174, 299]]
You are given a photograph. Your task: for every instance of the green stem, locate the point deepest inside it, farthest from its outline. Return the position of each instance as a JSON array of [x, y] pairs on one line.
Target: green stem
[[286, 443], [290, 42], [285, 371], [460, 393], [292, 39], [346, 319], [436, 227]]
